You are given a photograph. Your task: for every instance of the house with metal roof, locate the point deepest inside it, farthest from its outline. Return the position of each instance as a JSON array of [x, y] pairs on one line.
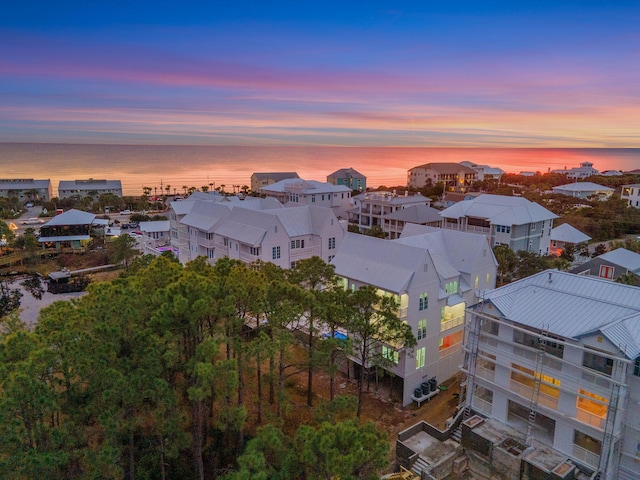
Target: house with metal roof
[[433, 274], [583, 171], [252, 229], [293, 192], [348, 177], [454, 176], [182, 244], [564, 235], [90, 187], [262, 179], [370, 208], [513, 221], [556, 356], [631, 194], [612, 265], [70, 230], [584, 190], [393, 223]]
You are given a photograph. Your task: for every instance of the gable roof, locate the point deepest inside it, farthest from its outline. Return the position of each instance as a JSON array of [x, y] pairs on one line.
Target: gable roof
[[461, 250], [415, 214], [573, 306], [568, 234], [500, 210], [374, 261], [623, 258], [72, 217], [346, 173], [155, 226]]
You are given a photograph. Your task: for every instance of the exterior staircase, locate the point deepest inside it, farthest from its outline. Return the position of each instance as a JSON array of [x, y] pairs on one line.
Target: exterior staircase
[[419, 466]]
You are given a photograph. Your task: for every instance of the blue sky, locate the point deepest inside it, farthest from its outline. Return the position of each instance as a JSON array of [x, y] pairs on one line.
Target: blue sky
[[473, 74]]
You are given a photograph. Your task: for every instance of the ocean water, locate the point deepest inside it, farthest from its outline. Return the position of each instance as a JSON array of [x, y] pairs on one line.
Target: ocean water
[[159, 166]]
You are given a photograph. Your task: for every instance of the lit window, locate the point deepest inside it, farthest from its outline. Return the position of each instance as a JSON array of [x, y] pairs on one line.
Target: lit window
[[477, 282], [390, 354], [422, 329], [420, 356]]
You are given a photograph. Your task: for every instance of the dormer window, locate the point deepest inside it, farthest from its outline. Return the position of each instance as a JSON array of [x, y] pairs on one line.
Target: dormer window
[[451, 287]]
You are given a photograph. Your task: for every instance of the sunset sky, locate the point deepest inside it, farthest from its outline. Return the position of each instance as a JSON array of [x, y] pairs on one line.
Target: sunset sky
[[423, 73]]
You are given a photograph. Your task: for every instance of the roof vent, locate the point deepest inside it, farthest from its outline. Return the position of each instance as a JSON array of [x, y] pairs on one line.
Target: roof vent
[[549, 277]]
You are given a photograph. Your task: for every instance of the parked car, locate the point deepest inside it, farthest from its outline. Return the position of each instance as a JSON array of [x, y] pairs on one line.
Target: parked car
[[126, 212], [32, 221]]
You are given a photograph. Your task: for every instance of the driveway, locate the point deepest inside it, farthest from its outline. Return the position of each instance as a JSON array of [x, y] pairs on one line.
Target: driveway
[[30, 306]]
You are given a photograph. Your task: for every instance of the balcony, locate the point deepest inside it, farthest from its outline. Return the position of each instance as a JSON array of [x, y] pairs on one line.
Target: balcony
[[445, 352], [454, 322], [526, 392], [206, 242], [305, 252], [485, 373], [590, 418], [482, 405], [402, 312], [477, 229], [221, 247], [586, 456], [248, 258]]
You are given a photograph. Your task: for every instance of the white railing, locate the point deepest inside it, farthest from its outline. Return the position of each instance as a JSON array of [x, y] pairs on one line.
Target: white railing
[[206, 242], [403, 312], [527, 392], [485, 373], [532, 354], [596, 380], [445, 352], [474, 228], [305, 252], [586, 456], [482, 405], [221, 247], [454, 322], [590, 418], [247, 257]]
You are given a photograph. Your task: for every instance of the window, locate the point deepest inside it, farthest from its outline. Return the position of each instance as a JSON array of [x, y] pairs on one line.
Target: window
[[313, 199], [332, 243], [489, 326], [297, 244], [225, 242], [606, 272], [503, 229], [254, 251], [592, 403], [422, 329], [636, 367], [533, 227], [331, 257], [275, 253], [451, 287], [476, 282], [390, 354], [424, 301], [597, 362], [488, 279], [420, 356]]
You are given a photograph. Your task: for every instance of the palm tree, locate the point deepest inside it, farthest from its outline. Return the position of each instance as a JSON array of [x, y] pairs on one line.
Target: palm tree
[[184, 187], [168, 189], [204, 188]]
